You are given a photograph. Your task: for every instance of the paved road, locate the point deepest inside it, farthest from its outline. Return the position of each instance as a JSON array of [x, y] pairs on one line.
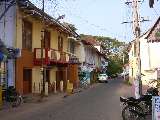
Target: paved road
[[100, 102]]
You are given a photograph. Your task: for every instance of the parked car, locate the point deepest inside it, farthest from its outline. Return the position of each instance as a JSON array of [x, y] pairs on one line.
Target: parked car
[[103, 78], [113, 75]]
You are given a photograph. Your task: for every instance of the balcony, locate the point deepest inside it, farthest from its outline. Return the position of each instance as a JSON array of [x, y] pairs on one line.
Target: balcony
[[51, 57]]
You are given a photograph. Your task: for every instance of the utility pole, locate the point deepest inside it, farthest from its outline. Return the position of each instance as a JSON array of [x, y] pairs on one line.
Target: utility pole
[[136, 21], [124, 74], [43, 69]]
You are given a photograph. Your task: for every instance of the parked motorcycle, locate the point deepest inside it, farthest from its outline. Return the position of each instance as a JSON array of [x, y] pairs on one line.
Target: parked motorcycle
[[137, 108]]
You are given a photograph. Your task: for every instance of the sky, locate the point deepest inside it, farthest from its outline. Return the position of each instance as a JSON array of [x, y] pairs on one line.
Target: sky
[[102, 17]]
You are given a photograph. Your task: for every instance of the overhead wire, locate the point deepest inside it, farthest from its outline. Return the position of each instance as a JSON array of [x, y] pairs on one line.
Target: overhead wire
[[97, 26], [145, 25], [129, 26], [88, 27], [54, 7]]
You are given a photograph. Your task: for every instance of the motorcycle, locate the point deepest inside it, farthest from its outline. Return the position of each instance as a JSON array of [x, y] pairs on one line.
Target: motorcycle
[[137, 108]]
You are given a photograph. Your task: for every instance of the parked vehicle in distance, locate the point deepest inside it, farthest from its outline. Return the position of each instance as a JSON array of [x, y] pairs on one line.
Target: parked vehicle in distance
[[103, 78], [113, 75]]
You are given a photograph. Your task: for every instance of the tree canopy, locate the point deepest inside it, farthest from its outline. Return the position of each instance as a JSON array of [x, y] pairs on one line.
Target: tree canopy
[[72, 26]]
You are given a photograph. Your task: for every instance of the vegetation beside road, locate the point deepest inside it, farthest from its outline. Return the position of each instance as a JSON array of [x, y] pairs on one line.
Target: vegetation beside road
[[126, 81]]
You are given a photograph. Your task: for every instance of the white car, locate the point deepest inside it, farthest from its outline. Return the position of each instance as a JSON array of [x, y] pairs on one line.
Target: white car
[[103, 78]]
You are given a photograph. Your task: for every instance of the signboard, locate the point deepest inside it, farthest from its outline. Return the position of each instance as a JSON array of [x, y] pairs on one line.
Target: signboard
[[127, 69], [155, 107], [73, 59], [106, 63], [136, 82], [69, 87]]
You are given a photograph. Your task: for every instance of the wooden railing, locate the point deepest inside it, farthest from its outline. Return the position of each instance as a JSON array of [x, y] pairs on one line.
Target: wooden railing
[[50, 56]]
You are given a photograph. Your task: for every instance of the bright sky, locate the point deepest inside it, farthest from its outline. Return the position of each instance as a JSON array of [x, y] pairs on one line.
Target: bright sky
[[102, 17]]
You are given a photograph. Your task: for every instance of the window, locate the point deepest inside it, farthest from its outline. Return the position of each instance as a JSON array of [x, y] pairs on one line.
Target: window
[[26, 35], [47, 36], [72, 46], [157, 34], [60, 43]]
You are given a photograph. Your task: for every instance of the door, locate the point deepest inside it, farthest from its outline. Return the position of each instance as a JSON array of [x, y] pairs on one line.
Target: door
[[47, 37], [48, 80], [59, 77], [27, 75]]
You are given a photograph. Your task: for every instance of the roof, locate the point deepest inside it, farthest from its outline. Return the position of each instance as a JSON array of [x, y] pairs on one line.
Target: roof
[[99, 69], [127, 64], [91, 40], [152, 28], [31, 9]]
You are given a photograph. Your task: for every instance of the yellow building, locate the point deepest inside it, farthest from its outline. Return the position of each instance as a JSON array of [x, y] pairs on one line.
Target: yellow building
[[35, 30]]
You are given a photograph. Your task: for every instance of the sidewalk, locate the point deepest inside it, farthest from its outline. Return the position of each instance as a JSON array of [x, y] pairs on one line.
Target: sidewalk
[[33, 100]]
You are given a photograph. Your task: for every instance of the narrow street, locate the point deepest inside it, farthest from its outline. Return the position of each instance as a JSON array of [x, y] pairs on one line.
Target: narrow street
[[100, 102]]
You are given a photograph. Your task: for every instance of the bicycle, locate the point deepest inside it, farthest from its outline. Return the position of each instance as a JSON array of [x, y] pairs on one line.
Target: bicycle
[[12, 96]]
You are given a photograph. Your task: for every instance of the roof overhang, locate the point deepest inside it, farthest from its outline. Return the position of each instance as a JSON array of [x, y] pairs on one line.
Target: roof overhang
[[31, 10]]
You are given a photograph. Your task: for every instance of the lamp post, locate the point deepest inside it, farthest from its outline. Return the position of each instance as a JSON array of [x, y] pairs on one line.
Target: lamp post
[[43, 67]]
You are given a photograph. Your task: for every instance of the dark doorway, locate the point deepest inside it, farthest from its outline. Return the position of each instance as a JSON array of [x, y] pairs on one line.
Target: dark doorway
[[27, 80], [59, 77]]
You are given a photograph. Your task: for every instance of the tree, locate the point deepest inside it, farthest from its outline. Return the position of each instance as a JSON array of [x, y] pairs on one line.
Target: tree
[[113, 67], [72, 27]]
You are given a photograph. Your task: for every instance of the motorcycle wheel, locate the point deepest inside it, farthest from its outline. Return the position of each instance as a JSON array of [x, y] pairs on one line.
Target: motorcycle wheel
[[128, 115]]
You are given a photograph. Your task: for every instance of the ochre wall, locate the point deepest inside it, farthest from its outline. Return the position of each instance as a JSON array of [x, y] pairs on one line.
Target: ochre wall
[[26, 60], [72, 74]]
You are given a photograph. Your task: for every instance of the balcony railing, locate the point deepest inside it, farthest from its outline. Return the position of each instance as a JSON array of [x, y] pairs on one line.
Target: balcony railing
[[50, 57]]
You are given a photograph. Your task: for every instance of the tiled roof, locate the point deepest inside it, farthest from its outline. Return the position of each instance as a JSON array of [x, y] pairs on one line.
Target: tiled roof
[[91, 40]]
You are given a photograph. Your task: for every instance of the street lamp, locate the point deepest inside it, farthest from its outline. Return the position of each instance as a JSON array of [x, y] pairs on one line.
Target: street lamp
[[43, 68], [61, 16]]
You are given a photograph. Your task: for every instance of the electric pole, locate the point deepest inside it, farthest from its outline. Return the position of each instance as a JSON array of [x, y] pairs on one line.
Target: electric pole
[[43, 69], [136, 22]]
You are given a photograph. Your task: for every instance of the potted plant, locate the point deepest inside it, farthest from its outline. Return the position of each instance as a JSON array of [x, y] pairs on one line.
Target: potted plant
[[155, 82]]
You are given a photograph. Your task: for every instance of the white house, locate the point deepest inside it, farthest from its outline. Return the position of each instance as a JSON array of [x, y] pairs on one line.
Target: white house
[[149, 55]]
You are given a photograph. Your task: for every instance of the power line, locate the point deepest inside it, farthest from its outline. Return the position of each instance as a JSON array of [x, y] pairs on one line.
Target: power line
[[77, 16]]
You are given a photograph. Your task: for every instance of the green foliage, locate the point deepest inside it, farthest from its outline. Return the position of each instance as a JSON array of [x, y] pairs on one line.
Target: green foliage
[[113, 67], [154, 81], [113, 45], [72, 27]]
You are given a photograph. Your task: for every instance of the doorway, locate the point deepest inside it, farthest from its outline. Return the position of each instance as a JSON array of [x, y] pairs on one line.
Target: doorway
[[59, 77], [27, 80]]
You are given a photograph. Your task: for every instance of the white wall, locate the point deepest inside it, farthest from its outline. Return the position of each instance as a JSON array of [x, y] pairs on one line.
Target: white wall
[[150, 59], [144, 54], [154, 54], [7, 35], [98, 47], [7, 25]]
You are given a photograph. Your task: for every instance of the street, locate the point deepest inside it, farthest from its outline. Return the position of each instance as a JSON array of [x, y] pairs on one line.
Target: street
[[100, 102]]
